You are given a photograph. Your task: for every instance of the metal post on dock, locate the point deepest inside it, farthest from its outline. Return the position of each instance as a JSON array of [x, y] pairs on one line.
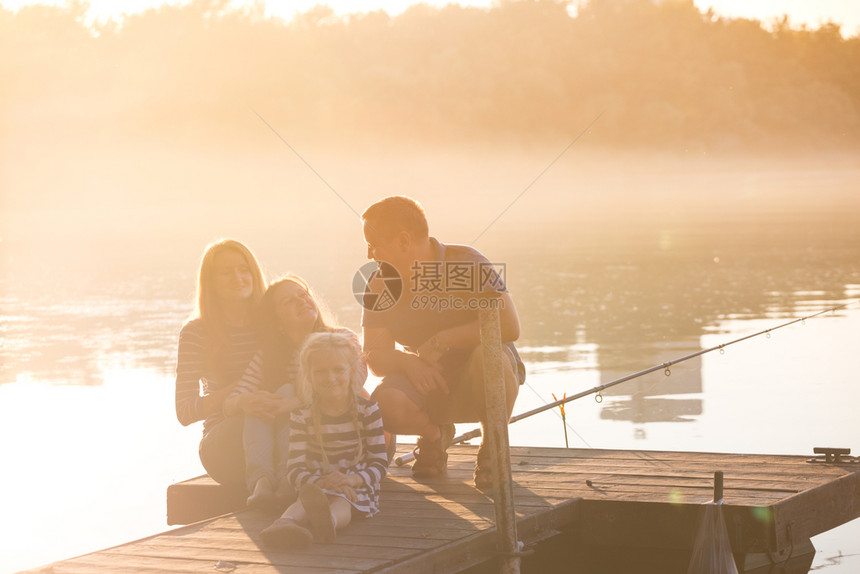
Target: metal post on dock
[[496, 438], [718, 487]]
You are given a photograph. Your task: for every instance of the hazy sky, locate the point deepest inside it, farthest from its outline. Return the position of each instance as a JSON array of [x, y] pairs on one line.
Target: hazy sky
[[809, 12]]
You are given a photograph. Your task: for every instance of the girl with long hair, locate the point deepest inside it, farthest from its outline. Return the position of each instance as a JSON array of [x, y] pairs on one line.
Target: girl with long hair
[[337, 446], [288, 313]]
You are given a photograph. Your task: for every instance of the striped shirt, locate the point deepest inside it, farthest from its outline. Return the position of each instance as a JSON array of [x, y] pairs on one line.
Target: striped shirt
[[253, 379], [204, 364], [340, 439]]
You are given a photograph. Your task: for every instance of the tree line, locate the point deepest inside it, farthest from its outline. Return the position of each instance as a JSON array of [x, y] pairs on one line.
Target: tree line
[[663, 74]]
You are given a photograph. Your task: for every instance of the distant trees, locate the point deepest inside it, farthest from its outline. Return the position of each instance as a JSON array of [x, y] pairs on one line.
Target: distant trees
[[666, 74]]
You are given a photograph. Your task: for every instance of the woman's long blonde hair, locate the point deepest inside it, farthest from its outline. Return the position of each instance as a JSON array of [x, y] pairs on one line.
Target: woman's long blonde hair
[[266, 317], [207, 302], [278, 349], [348, 344]]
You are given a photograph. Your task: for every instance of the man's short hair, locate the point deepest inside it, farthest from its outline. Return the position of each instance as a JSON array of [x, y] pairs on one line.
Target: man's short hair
[[397, 213]]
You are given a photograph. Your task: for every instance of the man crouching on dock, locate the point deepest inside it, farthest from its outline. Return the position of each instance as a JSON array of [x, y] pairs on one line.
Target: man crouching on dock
[[425, 296]]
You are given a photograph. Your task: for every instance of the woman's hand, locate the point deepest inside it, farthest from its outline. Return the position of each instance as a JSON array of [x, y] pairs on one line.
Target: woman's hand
[[261, 404], [214, 401], [287, 405]]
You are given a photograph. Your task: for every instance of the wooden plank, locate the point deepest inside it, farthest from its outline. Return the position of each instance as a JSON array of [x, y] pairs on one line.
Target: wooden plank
[[364, 538], [110, 564], [462, 510], [789, 487], [546, 488], [393, 498], [224, 539], [641, 455], [251, 547], [811, 476], [381, 525], [794, 474], [333, 557], [802, 473]]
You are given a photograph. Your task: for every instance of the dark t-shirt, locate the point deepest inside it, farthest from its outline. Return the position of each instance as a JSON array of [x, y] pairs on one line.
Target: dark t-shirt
[[440, 294]]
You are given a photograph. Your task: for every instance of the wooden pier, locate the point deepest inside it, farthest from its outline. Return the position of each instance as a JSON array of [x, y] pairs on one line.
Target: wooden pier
[[574, 506]]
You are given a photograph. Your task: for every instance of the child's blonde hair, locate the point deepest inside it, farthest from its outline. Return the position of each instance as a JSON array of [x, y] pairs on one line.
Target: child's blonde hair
[[348, 344]]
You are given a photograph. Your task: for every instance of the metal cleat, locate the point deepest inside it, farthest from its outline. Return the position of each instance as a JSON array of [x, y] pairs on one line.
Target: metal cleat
[[833, 456]]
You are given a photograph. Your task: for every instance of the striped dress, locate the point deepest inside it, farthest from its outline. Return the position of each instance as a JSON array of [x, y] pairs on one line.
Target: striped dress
[[204, 363], [254, 377], [340, 438]]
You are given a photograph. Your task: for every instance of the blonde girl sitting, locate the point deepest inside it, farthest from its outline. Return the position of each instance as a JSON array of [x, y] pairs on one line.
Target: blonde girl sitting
[[337, 446]]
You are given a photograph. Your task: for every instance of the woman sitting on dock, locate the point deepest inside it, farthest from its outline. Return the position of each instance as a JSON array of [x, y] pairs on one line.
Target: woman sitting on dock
[[215, 347], [337, 451], [288, 313]]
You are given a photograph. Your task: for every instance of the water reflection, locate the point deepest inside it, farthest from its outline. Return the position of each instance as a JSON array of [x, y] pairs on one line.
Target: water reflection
[[607, 298], [70, 342], [627, 290], [656, 397]]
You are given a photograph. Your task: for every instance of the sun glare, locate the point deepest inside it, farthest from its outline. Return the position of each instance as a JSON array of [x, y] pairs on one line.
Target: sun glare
[[88, 457], [799, 12]]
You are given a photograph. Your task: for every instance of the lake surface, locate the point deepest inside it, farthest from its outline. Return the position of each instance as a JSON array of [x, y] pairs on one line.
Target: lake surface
[[614, 273]]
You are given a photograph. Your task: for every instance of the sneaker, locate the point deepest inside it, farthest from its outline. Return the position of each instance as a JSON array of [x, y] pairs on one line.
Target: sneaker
[[267, 502], [431, 457], [483, 469], [262, 498], [286, 533]]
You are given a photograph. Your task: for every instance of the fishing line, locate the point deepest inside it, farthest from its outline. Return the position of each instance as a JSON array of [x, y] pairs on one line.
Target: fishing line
[[475, 433]]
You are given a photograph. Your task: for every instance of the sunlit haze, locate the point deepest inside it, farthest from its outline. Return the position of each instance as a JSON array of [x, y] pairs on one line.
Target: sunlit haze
[[656, 179], [800, 12]]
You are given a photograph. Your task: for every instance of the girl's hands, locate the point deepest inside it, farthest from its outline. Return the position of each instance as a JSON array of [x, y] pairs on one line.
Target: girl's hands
[[332, 480], [348, 492], [335, 480]]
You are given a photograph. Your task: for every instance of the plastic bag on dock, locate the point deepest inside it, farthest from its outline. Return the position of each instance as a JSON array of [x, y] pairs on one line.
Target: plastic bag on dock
[[712, 552]]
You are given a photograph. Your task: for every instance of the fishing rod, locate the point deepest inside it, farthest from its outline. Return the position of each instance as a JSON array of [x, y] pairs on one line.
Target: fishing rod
[[475, 433]]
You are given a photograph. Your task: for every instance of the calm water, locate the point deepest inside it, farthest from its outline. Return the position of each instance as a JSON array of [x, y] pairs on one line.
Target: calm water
[[90, 322]]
